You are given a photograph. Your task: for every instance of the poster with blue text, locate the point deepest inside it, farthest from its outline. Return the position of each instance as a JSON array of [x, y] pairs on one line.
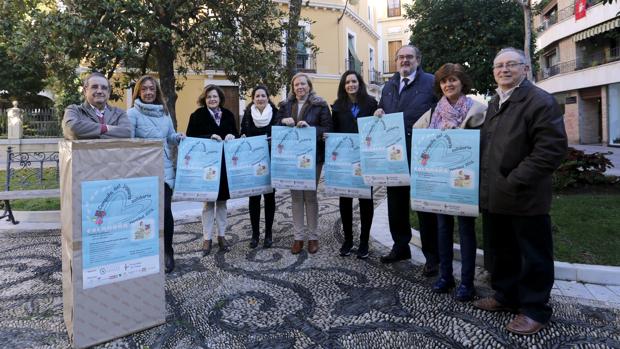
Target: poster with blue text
[[293, 158], [120, 230], [445, 171], [343, 169], [248, 166], [383, 150], [198, 169]]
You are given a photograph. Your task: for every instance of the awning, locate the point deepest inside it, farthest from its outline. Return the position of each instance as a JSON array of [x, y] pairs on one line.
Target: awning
[[601, 28]]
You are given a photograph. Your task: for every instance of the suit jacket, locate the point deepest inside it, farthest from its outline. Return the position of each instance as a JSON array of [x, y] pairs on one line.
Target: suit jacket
[[522, 143], [344, 122], [81, 122]]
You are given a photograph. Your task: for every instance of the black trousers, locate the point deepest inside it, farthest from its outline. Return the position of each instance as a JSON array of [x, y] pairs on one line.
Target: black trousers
[[522, 269], [270, 210], [367, 211], [398, 219], [168, 220]]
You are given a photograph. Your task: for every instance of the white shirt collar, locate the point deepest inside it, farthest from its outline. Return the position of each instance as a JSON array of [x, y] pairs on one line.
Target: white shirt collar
[[411, 77], [504, 95]]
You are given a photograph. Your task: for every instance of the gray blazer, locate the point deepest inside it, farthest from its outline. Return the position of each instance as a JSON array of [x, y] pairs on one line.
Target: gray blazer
[[81, 122]]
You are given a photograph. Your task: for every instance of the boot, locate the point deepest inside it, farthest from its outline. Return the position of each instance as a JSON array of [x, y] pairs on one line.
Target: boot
[[267, 243], [254, 240], [206, 247], [168, 263], [221, 242]]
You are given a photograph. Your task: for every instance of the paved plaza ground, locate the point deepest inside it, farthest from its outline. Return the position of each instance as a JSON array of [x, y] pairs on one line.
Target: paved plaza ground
[[269, 298]]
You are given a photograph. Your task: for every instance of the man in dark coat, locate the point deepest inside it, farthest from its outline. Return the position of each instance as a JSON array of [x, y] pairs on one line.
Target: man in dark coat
[[409, 91], [523, 141]]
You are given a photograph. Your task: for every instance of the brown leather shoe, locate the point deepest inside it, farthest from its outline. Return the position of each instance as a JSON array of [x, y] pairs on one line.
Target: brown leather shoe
[[491, 304], [221, 243], [206, 247], [313, 246], [524, 325], [298, 245]]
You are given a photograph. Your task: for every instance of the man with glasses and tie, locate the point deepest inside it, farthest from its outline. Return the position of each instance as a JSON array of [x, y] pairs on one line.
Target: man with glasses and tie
[[523, 141], [95, 118], [409, 91]]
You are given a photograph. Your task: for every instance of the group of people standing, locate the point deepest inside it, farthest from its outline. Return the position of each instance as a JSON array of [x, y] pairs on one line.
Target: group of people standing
[[522, 142]]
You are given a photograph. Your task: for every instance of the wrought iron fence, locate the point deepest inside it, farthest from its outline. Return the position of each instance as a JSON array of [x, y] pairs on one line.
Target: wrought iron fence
[[354, 64], [374, 77], [585, 61], [37, 123]]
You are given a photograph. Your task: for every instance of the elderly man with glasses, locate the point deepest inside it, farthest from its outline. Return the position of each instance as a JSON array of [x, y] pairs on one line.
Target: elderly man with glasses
[[95, 118], [523, 141], [409, 91]]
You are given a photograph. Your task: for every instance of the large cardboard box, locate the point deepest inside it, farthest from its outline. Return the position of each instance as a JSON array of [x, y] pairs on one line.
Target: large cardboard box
[[112, 198]]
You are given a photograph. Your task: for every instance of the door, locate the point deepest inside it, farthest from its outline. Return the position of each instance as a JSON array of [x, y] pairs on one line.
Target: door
[[231, 95], [393, 47]]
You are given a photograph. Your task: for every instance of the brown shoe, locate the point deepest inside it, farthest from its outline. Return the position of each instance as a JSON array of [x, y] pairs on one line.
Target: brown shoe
[[313, 246], [298, 245], [221, 242], [206, 248], [524, 325], [491, 304]]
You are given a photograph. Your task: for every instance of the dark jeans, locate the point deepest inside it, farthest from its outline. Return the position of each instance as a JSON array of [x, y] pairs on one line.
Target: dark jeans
[[398, 218], [366, 213], [270, 210], [168, 220], [467, 237], [428, 236], [522, 273]]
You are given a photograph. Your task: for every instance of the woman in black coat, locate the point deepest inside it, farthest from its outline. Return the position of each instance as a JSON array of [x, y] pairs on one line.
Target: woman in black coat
[[214, 121], [353, 102], [257, 120], [305, 108]]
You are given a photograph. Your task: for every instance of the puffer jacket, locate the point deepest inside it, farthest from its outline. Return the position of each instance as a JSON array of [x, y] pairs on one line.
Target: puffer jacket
[[316, 114], [150, 121]]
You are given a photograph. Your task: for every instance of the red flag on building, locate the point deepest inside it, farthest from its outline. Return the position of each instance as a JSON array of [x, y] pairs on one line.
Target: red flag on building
[[580, 9]]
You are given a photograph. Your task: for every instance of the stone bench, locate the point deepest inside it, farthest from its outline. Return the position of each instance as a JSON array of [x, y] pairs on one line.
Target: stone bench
[[25, 178]]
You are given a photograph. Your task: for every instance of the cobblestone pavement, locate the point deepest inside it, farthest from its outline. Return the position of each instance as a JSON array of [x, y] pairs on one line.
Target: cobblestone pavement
[[269, 298]]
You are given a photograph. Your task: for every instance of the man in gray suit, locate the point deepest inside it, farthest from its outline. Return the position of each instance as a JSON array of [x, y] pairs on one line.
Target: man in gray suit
[[95, 119]]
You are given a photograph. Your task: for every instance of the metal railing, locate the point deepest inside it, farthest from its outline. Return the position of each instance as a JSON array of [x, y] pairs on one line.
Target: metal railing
[[591, 60], [306, 62], [374, 77], [354, 64], [37, 123]]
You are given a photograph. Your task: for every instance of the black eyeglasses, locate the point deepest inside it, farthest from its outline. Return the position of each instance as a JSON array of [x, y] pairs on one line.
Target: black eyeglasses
[[508, 65]]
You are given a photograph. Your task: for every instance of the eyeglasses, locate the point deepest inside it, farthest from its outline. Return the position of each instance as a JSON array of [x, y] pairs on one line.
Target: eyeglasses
[[403, 57], [509, 65]]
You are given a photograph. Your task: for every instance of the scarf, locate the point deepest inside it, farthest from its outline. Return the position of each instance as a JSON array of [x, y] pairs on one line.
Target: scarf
[[447, 116], [217, 115], [261, 119], [355, 110]]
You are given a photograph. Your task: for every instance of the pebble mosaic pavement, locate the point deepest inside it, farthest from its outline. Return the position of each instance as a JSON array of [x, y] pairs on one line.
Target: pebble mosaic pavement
[[269, 298]]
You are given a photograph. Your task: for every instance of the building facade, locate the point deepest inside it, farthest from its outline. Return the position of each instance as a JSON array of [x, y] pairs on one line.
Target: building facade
[[579, 53]]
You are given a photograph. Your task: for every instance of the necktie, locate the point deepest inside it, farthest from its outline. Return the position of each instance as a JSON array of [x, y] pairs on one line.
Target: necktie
[[99, 115], [217, 116], [405, 83]]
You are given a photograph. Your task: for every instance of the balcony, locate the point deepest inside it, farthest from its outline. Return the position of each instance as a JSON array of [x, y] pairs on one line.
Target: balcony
[[591, 60], [354, 64], [374, 77], [306, 63]]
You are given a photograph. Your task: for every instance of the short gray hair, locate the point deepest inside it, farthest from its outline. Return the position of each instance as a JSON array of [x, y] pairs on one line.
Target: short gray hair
[[416, 52], [92, 75], [521, 53]]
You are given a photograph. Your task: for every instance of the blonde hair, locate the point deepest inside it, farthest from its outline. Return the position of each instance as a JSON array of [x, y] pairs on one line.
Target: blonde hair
[[299, 75]]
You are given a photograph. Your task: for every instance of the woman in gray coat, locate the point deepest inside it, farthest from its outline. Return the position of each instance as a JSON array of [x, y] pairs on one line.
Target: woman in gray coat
[[149, 118]]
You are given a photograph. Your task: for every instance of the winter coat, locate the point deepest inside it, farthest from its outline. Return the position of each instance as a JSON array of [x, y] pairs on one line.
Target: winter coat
[[150, 121], [413, 101], [315, 112], [522, 143], [202, 125], [473, 120], [81, 122], [248, 127], [345, 122]]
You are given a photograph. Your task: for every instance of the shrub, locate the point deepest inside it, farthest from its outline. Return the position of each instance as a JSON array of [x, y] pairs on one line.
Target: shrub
[[579, 169]]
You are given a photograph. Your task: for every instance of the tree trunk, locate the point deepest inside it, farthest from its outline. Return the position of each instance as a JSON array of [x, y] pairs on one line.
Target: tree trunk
[[527, 40], [294, 12], [165, 65]]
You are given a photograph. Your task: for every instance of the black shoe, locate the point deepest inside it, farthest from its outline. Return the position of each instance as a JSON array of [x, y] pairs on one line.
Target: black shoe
[[267, 242], [393, 257], [168, 263], [465, 293], [443, 285], [362, 251], [430, 270], [254, 241], [346, 247]]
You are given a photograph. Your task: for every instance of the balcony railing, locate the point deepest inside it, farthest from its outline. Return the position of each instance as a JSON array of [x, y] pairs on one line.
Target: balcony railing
[[306, 62], [374, 77], [353, 64], [566, 12], [586, 61]]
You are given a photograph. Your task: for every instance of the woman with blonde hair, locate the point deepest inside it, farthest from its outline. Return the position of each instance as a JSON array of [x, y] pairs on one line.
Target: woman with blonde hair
[[149, 118], [304, 108]]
